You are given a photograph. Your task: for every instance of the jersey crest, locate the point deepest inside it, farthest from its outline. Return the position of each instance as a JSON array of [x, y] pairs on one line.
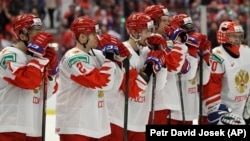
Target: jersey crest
[[10, 57], [100, 94], [241, 80], [77, 58]]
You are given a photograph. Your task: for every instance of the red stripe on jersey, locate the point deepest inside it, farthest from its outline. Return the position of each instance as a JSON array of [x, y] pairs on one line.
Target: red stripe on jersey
[[93, 79], [213, 87], [27, 77]]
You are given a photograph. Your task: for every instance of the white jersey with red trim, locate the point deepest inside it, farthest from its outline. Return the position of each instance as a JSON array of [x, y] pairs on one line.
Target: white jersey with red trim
[[171, 98], [80, 101], [21, 92], [139, 107], [190, 92], [230, 77]]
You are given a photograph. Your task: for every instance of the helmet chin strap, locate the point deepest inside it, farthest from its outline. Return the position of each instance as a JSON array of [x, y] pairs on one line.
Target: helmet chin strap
[[26, 34], [84, 44], [136, 40]]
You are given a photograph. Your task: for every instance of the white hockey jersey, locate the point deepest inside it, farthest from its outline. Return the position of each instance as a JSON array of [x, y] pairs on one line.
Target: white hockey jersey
[[171, 98], [80, 101], [21, 92], [230, 77], [190, 94], [139, 107]]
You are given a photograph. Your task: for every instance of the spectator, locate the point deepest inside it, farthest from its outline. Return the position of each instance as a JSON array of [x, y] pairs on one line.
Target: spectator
[[212, 34], [51, 6]]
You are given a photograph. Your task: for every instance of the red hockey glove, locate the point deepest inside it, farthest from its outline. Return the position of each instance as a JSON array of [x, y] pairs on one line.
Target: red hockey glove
[[109, 43], [51, 54], [193, 45], [205, 47], [173, 30], [174, 33], [157, 42], [156, 59], [39, 43]]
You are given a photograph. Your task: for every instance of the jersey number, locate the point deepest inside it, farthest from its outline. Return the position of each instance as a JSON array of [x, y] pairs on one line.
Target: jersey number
[[80, 67], [214, 65]]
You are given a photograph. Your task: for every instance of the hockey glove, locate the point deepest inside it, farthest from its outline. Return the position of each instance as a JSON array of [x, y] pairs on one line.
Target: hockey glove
[[193, 45], [222, 115], [108, 43], [156, 59], [156, 42], [246, 112], [51, 54], [109, 50], [205, 49], [39, 43], [173, 33]]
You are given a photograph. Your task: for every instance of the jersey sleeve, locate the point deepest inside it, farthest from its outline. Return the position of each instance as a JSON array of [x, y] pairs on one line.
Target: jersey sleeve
[[20, 71], [83, 70], [176, 59], [191, 74], [212, 89], [136, 83]]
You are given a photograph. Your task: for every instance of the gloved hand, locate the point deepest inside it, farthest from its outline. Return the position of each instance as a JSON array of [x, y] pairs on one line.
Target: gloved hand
[[205, 48], [109, 43], [220, 114], [193, 45], [51, 54], [174, 33], [39, 43], [173, 30], [156, 42], [156, 59]]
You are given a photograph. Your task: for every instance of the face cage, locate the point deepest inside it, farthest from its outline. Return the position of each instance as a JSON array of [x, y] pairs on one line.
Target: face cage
[[234, 38]]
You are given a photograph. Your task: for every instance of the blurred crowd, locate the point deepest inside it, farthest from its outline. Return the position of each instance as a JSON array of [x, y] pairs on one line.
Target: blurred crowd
[[111, 14]]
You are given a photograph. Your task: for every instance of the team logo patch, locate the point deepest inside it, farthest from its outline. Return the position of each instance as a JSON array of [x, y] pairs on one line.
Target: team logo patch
[[100, 94], [192, 81], [217, 58], [241, 80], [76, 59], [11, 57]]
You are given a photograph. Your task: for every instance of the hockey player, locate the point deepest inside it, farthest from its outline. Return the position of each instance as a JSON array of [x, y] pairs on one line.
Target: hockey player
[[22, 75], [196, 43], [140, 27], [166, 99], [228, 88], [84, 75]]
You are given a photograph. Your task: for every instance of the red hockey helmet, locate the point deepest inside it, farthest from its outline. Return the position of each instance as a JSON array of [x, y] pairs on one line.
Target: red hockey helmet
[[26, 21], [184, 21], [139, 21], [84, 25], [230, 32], [156, 11]]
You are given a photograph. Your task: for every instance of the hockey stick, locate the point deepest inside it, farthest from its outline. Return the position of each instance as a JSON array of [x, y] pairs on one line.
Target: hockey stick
[[153, 100], [126, 65], [181, 98], [45, 84], [246, 111], [201, 86]]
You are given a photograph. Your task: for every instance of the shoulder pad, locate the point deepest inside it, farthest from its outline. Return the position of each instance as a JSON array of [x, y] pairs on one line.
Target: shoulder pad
[[217, 58]]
